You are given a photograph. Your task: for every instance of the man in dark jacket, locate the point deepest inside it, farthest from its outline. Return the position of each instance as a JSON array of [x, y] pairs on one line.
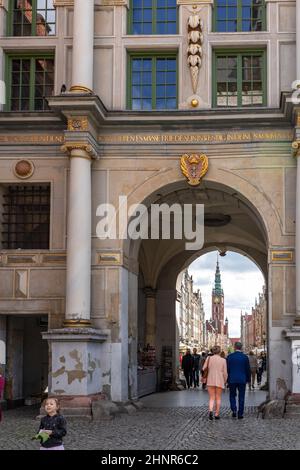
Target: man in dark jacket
[[196, 367], [239, 374], [187, 367]]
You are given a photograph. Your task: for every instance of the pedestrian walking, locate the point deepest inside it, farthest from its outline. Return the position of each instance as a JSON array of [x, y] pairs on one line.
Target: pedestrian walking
[[239, 375], [260, 369], [196, 367], [187, 367], [202, 362], [52, 427], [253, 368], [215, 369]]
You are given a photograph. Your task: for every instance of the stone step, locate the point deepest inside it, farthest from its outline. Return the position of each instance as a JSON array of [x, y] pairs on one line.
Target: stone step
[[76, 411], [292, 410]]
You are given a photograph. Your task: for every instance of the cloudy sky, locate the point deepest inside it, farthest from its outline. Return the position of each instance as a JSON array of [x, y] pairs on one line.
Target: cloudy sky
[[241, 281]]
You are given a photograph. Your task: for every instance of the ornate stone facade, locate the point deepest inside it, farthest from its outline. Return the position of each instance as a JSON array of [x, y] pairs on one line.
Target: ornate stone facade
[[192, 316], [254, 326], [98, 285]]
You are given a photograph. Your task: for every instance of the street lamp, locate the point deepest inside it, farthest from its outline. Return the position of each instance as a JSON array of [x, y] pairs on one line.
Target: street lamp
[[264, 340]]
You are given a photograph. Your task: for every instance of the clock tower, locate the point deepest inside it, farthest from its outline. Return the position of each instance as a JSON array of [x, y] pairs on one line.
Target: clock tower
[[218, 303]]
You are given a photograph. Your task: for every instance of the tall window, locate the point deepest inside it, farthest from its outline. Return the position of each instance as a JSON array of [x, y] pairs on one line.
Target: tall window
[[152, 82], [25, 217], [32, 18], [153, 17], [239, 15], [239, 78], [30, 80]]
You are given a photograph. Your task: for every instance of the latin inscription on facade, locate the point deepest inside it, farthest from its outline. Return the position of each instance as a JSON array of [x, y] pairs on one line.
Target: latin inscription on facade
[[214, 138], [252, 136]]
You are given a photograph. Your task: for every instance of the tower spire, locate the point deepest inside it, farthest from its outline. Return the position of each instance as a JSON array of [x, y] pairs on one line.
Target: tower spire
[[218, 286]]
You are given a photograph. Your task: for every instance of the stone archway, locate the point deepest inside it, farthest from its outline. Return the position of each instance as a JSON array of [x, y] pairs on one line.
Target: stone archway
[[253, 228]]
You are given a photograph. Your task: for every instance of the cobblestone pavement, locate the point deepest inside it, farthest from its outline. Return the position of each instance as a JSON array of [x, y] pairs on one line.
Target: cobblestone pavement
[[159, 429]]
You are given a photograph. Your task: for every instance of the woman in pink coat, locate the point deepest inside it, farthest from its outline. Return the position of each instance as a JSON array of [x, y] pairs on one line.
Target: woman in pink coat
[[216, 380]]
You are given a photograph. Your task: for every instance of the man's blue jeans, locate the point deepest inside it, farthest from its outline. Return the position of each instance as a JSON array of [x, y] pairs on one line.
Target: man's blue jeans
[[241, 389]]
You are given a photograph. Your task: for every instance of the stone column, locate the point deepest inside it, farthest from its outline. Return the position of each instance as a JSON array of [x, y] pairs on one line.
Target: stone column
[[296, 148], [78, 290], [75, 369], [293, 334], [150, 316], [297, 39], [297, 319], [83, 47], [3, 13], [296, 152]]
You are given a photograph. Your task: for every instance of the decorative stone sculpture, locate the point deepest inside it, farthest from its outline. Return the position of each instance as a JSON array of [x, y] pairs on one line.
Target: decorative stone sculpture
[[194, 51]]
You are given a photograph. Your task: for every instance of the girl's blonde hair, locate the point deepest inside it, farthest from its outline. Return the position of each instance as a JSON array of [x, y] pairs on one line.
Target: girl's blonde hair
[[56, 402]]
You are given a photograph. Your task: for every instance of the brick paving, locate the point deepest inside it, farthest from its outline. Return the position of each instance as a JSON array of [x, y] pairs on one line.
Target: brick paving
[[159, 429]]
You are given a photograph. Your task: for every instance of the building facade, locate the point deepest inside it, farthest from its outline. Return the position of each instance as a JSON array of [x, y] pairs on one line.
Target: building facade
[[254, 325], [191, 322], [103, 98]]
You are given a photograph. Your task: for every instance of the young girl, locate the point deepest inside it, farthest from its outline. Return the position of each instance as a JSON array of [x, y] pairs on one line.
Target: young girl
[[54, 424]]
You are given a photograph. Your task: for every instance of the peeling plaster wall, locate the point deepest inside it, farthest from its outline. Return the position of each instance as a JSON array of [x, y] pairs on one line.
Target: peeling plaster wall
[[279, 364], [78, 369]]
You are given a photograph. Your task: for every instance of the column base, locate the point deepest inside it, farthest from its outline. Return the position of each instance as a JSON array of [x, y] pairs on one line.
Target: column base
[[81, 89], [77, 323], [294, 336], [75, 369]]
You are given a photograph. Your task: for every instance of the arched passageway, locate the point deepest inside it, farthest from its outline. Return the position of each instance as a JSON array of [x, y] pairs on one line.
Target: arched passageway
[[232, 222]]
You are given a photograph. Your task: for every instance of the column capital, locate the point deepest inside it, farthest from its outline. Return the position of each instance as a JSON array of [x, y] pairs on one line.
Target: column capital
[[87, 149], [63, 3], [296, 148], [81, 89], [150, 293], [79, 138]]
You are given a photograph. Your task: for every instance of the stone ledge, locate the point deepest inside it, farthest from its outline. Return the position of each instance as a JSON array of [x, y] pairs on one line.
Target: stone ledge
[[75, 334]]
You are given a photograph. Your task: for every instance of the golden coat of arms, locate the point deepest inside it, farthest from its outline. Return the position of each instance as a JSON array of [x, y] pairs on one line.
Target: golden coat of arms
[[194, 167]]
